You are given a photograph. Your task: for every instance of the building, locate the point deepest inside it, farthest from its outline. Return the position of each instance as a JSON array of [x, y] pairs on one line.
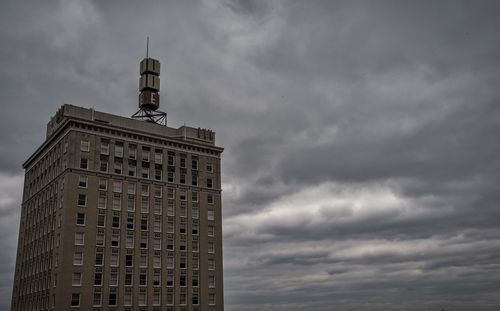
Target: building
[[120, 214]]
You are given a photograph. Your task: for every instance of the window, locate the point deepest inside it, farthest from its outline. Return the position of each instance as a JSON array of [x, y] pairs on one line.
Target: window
[[80, 219], [170, 260], [209, 183], [79, 238], [78, 258], [210, 230], [157, 244], [118, 168], [194, 179], [114, 260], [182, 195], [157, 191], [195, 299], [182, 179], [112, 299], [129, 260], [183, 162], [128, 279], [170, 160], [195, 246], [170, 193], [75, 300], [182, 280], [144, 205], [196, 263], [84, 163], [194, 164], [115, 240], [157, 225], [182, 263], [182, 227], [170, 176], [131, 203], [129, 242], [170, 227], [194, 196], [156, 299], [170, 208], [99, 257], [144, 242], [145, 172], [103, 166], [182, 245], [170, 278], [144, 224], [99, 239], [113, 279], [116, 222], [211, 263], [156, 262], [194, 229], [84, 145], [132, 152], [143, 280], [211, 299], [127, 299], [117, 186], [211, 281], [104, 148], [76, 279], [158, 157], [143, 261], [142, 299], [119, 150], [98, 278], [145, 190], [210, 214], [195, 212], [101, 220], [131, 188], [82, 199], [132, 169], [97, 301], [183, 211], [210, 198], [170, 299], [101, 201], [117, 201], [157, 206], [211, 247], [130, 222], [210, 168], [170, 244], [83, 181], [145, 154], [195, 278], [103, 184]]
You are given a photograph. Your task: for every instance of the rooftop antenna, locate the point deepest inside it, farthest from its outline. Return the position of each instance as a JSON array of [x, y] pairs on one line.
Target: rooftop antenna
[[149, 87]]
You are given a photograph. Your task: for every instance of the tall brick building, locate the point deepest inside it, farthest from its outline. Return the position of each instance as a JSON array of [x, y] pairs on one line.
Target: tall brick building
[[120, 214]]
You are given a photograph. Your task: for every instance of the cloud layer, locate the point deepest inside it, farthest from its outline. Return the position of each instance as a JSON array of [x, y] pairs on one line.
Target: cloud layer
[[361, 165]]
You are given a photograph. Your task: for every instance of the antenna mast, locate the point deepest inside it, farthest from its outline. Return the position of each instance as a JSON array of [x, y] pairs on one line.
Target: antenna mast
[[149, 87]]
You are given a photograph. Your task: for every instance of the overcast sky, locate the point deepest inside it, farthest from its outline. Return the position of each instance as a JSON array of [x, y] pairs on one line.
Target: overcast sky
[[361, 168]]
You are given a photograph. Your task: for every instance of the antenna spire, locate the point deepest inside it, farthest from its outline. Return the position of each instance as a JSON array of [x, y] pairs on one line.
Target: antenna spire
[[147, 47]]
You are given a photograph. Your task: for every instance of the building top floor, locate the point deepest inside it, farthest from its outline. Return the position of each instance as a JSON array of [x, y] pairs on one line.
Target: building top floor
[[198, 135]]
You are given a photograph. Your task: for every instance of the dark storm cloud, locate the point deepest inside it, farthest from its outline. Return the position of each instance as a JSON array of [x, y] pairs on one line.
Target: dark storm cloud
[[361, 163]]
